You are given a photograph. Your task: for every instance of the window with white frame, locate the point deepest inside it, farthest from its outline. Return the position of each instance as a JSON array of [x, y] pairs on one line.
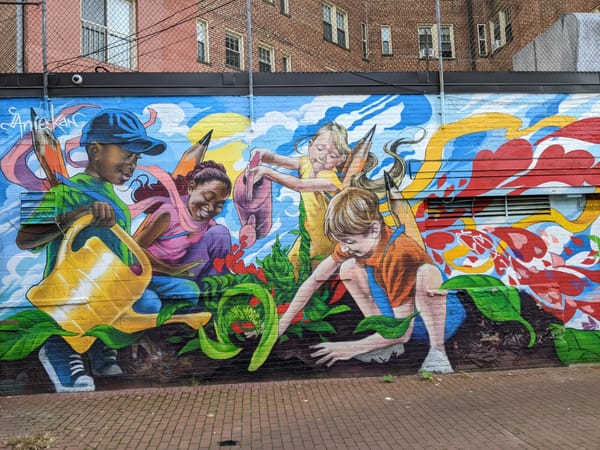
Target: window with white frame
[[501, 30], [447, 41], [108, 31], [233, 50], [426, 49], [286, 63], [364, 36], [335, 25], [265, 58], [428, 41], [386, 40], [202, 39], [284, 7], [482, 39]]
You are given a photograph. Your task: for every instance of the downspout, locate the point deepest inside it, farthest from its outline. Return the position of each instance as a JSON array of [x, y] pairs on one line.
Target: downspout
[[440, 61], [250, 75], [20, 39], [45, 59], [473, 39]]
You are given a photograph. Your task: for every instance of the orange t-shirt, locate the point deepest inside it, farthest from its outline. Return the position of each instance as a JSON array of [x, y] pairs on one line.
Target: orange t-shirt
[[395, 262]]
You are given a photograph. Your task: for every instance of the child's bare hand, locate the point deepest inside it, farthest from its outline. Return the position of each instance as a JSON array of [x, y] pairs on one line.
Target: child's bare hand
[[103, 214], [264, 155], [331, 352], [258, 173]]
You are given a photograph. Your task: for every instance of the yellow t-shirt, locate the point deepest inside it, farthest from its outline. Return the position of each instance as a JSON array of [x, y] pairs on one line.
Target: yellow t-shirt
[[315, 204]]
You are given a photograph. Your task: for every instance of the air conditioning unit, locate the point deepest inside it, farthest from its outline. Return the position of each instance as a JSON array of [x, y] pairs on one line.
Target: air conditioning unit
[[496, 45], [426, 53]]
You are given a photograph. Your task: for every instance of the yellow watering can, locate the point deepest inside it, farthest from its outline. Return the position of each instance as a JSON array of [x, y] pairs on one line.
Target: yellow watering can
[[92, 286]]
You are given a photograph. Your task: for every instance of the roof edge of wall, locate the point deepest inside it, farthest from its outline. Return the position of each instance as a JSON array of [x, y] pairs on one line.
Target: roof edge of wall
[[333, 83]]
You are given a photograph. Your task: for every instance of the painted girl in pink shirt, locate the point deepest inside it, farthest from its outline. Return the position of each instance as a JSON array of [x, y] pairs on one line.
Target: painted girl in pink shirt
[[180, 236]]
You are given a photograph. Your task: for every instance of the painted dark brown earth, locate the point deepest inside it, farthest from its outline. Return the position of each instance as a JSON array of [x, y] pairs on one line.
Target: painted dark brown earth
[[479, 344]]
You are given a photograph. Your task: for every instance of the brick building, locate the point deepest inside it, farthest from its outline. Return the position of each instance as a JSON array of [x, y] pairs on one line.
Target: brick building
[[286, 35]]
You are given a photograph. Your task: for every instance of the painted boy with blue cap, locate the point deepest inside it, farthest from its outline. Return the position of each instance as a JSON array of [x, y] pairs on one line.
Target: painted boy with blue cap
[[114, 141]]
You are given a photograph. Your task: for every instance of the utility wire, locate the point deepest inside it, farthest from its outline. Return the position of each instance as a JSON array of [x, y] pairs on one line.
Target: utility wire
[[139, 37]]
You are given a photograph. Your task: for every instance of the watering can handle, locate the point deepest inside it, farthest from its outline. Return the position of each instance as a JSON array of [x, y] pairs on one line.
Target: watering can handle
[[85, 221]]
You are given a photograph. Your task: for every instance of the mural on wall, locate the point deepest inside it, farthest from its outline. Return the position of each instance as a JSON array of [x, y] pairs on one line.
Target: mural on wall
[[172, 238]]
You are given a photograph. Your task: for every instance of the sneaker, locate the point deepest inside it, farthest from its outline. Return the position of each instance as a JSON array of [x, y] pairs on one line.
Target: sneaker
[[381, 355], [65, 367], [437, 362], [104, 360]]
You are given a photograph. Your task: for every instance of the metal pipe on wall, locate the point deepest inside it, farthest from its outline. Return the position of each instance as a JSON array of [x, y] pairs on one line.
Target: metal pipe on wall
[[45, 59], [250, 75], [20, 39], [440, 61]]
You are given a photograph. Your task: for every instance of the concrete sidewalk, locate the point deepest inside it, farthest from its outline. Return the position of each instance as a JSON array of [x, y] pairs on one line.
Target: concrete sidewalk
[[551, 408]]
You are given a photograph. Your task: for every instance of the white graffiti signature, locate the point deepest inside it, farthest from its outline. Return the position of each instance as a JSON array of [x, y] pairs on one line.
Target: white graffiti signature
[[24, 126]]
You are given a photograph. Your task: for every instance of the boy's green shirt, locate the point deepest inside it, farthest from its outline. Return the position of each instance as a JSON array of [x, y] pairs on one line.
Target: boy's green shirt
[[81, 190]]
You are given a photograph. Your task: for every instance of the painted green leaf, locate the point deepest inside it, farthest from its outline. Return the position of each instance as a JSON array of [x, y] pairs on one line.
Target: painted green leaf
[[223, 348], [26, 320], [24, 332], [576, 346], [388, 327], [471, 281], [496, 301], [167, 311], [319, 327], [191, 346], [112, 337], [337, 310], [216, 349]]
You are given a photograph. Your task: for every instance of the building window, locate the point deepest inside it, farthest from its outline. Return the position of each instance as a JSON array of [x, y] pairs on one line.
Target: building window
[[507, 25], [428, 38], [340, 26], [108, 31], [501, 30], [233, 50], [426, 50], [386, 40], [284, 6], [202, 39], [286, 63], [364, 36], [482, 39], [447, 41], [265, 58]]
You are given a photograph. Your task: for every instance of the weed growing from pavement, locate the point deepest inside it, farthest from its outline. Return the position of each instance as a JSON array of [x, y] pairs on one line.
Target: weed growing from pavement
[[30, 442], [426, 375], [389, 378]]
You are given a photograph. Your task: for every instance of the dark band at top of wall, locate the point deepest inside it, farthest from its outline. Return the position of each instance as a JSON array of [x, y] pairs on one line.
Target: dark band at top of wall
[[282, 84]]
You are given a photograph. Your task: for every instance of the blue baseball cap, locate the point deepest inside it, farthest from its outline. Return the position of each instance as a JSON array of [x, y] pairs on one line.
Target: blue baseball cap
[[122, 128]]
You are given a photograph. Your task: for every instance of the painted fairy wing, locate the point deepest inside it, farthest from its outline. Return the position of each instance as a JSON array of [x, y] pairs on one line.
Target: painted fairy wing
[[48, 151], [358, 157]]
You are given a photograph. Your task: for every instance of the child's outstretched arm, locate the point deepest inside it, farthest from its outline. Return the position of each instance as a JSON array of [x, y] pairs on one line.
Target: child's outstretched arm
[[330, 352], [324, 271], [294, 183], [269, 157]]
